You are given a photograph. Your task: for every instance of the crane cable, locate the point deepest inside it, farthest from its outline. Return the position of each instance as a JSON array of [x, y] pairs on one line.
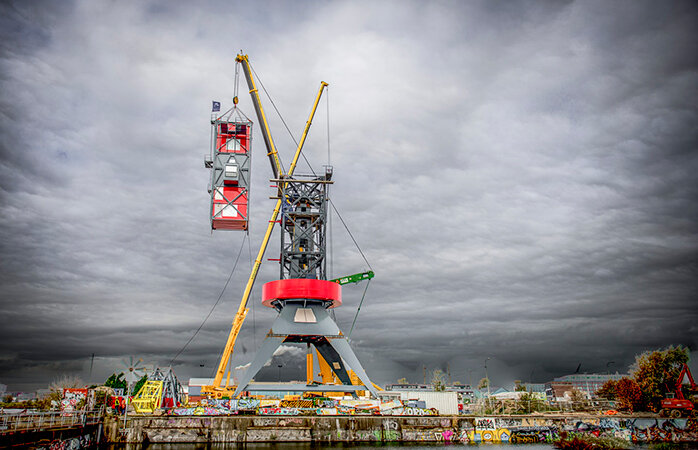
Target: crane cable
[[359, 308], [329, 162], [236, 83], [314, 174], [310, 166], [214, 305], [350, 235], [281, 117], [254, 320], [275, 109], [329, 217]]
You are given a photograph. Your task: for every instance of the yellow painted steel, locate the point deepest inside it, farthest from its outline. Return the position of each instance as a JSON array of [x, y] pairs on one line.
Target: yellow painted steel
[[216, 389], [148, 398], [309, 377], [326, 371], [328, 377], [292, 168], [272, 153]]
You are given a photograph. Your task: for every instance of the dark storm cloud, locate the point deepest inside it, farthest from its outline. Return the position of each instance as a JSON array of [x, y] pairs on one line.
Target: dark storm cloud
[[520, 177]]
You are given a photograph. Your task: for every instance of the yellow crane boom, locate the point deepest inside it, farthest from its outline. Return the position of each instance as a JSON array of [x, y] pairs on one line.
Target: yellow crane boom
[[216, 389], [273, 155]]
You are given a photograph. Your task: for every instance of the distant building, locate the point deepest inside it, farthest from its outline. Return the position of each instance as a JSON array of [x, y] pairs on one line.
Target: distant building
[[409, 387], [460, 388], [43, 393], [586, 383], [194, 388], [464, 391], [589, 383], [25, 396], [534, 387], [445, 402], [558, 390], [516, 395]]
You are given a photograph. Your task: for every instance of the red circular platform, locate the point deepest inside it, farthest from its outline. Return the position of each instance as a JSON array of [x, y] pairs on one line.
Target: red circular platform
[[300, 288]]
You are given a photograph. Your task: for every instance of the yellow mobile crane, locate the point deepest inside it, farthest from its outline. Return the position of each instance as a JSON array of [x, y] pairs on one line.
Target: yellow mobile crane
[[216, 390]]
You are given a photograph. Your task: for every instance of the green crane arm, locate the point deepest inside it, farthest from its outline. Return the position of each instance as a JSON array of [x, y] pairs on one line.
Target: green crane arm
[[354, 278]]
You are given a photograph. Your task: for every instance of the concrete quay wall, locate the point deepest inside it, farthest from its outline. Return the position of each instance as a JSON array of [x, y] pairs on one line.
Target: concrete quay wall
[[279, 429], [334, 429]]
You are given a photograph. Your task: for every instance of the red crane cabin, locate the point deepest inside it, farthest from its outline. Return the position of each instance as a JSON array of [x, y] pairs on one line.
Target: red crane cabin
[[230, 182]]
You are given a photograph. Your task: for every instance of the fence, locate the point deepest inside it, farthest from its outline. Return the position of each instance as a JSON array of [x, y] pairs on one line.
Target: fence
[[10, 423], [511, 406]]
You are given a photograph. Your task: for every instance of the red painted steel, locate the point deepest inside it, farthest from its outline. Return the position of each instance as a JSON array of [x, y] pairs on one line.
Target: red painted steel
[[225, 216], [230, 202], [300, 288], [228, 130]]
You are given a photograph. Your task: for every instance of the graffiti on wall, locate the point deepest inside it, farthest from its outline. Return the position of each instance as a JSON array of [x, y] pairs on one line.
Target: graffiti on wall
[[532, 435], [522, 430], [663, 430], [201, 411], [278, 411], [485, 423], [320, 406], [412, 412], [512, 429], [75, 443], [72, 397]]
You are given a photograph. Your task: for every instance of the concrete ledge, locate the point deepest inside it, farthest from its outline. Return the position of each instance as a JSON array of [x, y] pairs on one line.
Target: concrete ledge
[[345, 429]]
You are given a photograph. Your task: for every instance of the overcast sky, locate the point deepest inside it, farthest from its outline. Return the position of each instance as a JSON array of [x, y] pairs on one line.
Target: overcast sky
[[521, 177]]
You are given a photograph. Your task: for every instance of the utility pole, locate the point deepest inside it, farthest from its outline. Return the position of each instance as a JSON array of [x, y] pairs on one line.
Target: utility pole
[[487, 377], [128, 392]]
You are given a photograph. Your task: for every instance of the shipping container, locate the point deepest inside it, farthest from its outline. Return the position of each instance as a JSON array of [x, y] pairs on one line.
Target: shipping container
[[444, 402]]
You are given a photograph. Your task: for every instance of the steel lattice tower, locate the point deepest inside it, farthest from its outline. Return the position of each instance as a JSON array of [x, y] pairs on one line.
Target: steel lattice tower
[[302, 295]]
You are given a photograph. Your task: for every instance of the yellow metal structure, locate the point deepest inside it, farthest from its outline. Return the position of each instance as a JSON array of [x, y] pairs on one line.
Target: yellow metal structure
[[216, 390], [329, 378], [266, 133], [148, 398]]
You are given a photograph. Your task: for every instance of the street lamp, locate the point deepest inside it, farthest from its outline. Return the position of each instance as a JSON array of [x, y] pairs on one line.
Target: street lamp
[[279, 366]]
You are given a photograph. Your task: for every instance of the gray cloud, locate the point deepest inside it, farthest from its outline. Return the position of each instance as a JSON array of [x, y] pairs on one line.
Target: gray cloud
[[520, 177]]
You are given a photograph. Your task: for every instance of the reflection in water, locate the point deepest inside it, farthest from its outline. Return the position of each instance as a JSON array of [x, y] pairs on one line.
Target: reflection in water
[[342, 446], [320, 446]]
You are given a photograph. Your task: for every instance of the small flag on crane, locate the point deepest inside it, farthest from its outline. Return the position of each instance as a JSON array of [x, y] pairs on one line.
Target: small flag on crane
[[216, 107]]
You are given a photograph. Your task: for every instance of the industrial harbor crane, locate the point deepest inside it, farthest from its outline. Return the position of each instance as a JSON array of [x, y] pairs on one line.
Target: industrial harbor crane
[[277, 170], [303, 294]]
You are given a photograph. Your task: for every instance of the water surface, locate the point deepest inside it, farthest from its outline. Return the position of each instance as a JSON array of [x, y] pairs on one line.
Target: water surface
[[344, 446]]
